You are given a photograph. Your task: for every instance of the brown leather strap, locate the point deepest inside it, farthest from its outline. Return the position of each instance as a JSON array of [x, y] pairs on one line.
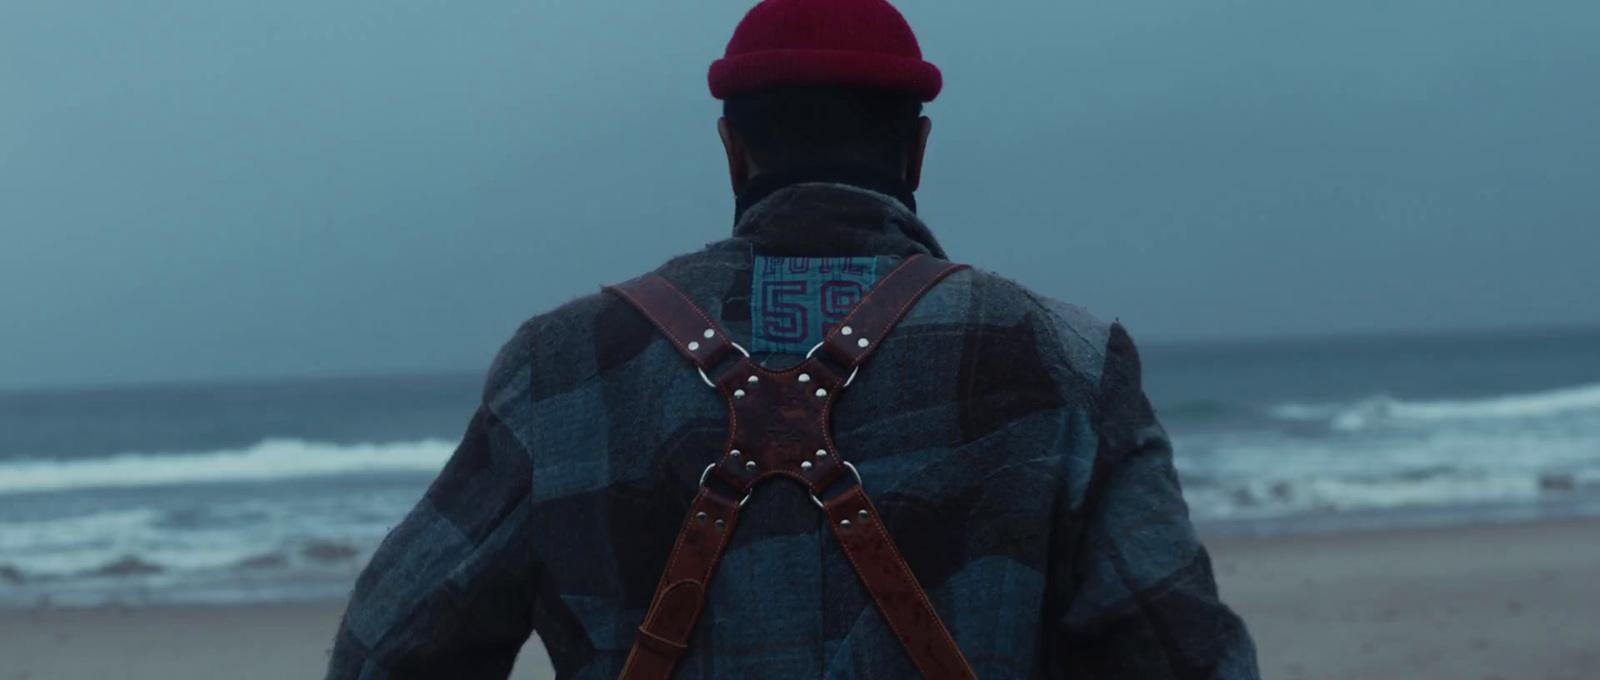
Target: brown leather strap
[[859, 334], [879, 564], [691, 330], [680, 596], [780, 427], [682, 591], [893, 587]]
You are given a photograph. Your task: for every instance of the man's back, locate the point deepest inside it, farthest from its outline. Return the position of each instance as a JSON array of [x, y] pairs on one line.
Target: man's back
[[1004, 438]]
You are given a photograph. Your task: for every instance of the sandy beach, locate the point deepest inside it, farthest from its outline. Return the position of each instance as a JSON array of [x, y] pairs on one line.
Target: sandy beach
[[1515, 602], [1511, 602]]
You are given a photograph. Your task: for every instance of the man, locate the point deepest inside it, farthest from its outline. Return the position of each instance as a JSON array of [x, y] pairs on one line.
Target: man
[[1002, 437]]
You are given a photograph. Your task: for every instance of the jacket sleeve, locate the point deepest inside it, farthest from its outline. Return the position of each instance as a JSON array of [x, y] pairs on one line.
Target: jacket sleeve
[[1139, 600], [449, 592]]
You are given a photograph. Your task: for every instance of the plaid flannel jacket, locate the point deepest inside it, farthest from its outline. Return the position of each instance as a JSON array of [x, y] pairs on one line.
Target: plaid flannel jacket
[[1004, 437]]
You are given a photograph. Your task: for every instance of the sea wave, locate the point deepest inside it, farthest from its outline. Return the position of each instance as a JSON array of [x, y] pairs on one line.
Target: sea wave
[[1451, 464], [269, 460], [1268, 498], [328, 529], [1382, 409]]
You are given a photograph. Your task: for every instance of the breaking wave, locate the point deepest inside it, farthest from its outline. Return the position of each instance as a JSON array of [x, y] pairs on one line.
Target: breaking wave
[[1380, 410], [270, 460]]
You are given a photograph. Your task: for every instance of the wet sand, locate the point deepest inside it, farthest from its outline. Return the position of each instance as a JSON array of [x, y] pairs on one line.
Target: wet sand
[[1512, 602], [1518, 602]]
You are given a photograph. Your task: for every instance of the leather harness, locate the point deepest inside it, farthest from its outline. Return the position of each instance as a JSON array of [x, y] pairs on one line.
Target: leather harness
[[779, 426]]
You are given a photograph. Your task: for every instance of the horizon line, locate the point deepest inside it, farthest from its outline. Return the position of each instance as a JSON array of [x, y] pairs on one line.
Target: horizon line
[[1160, 343]]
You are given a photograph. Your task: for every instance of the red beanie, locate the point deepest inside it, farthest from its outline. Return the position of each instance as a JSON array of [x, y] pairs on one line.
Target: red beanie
[[824, 42]]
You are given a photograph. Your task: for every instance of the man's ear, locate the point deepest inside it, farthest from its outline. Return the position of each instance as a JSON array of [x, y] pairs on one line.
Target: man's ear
[[738, 160], [919, 150]]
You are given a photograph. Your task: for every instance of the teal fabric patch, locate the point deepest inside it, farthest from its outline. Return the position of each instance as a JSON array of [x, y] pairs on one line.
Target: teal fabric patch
[[796, 301]]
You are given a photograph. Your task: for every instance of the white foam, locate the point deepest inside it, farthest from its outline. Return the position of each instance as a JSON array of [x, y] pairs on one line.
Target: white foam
[[1459, 463], [78, 544], [1261, 498], [1359, 415], [271, 460]]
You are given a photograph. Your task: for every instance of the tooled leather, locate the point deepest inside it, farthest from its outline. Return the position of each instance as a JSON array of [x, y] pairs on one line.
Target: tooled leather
[[780, 422]]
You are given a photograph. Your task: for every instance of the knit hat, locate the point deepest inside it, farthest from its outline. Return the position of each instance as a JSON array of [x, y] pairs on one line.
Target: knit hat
[[824, 42]]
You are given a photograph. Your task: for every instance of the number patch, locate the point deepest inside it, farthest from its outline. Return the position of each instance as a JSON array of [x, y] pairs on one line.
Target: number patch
[[797, 301]]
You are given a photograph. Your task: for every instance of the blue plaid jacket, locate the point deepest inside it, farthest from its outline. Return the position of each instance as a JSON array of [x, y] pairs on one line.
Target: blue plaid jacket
[[1004, 437]]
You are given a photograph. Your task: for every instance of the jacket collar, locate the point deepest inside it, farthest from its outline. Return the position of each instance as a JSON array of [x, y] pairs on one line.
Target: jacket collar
[[831, 212]]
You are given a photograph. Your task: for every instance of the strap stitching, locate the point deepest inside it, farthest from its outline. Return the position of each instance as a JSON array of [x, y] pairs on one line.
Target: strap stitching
[[733, 434], [900, 270], [697, 310], [665, 330], [679, 647], [665, 585], [682, 346], [905, 571], [887, 619], [914, 299], [899, 314]]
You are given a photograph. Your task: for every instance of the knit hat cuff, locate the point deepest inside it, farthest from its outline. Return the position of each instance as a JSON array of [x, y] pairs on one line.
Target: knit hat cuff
[[798, 67]]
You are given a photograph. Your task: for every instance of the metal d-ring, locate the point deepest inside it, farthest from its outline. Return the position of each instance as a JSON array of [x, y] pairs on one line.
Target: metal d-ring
[[853, 471], [707, 378], [707, 473], [853, 372]]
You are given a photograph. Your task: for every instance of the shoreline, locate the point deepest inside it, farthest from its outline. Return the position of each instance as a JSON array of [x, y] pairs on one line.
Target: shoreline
[[1507, 600], [1577, 505], [131, 581]]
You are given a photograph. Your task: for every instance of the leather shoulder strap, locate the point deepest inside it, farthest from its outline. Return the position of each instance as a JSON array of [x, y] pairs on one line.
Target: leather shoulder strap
[[680, 595], [851, 515], [858, 335], [690, 329], [888, 579]]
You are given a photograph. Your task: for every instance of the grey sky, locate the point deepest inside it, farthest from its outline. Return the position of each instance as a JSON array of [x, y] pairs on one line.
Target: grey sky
[[194, 189]]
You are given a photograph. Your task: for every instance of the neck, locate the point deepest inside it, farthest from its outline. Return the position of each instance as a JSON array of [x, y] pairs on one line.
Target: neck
[[859, 176]]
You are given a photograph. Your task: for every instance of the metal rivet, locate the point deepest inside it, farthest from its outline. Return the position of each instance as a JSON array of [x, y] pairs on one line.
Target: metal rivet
[[710, 334], [822, 393], [735, 453], [805, 377], [753, 380], [862, 342], [751, 466], [700, 516], [738, 394], [694, 346], [806, 465], [721, 525], [862, 515], [822, 453], [847, 330], [844, 524]]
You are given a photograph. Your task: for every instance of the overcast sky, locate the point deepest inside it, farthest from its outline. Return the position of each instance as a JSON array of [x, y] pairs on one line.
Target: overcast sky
[[208, 189]]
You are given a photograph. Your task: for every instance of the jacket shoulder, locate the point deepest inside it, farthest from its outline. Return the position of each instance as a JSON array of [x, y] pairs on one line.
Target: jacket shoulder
[[562, 337], [1078, 338], [579, 339]]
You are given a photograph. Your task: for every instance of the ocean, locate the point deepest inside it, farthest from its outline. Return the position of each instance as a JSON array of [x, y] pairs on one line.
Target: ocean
[[279, 491]]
